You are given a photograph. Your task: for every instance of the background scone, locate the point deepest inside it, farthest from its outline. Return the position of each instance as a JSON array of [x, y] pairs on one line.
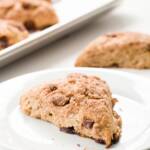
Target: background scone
[[34, 14], [78, 104], [127, 50], [11, 32]]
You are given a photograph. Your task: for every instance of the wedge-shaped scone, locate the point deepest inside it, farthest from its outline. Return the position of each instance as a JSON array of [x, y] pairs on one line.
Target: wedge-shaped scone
[[126, 50], [11, 32], [34, 14], [78, 104]]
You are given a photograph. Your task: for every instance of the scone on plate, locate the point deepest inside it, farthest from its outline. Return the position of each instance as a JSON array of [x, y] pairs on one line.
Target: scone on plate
[[77, 104], [34, 14], [126, 50], [11, 32]]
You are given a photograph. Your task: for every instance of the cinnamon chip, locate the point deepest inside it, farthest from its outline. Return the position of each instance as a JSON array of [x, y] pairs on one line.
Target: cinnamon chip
[[4, 42], [30, 25], [60, 100], [68, 130], [88, 123]]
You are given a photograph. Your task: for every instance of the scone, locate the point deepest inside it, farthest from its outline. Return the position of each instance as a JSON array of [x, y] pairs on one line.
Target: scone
[[11, 32], [77, 104], [34, 14], [126, 50]]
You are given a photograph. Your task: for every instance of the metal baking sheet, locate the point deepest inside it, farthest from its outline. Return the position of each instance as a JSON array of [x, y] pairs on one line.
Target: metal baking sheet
[[72, 15]]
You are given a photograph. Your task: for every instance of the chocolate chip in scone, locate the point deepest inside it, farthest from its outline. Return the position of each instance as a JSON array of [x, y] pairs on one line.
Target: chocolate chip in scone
[[4, 42], [86, 92], [87, 123], [115, 65], [26, 5], [50, 114], [115, 139], [68, 130], [60, 100], [101, 141], [30, 25]]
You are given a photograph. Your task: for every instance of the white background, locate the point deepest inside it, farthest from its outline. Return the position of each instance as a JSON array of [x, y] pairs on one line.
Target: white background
[[132, 15]]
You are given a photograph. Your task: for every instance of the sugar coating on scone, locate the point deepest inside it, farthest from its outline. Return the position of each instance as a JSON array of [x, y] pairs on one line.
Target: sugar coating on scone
[[126, 50], [11, 32], [34, 14], [77, 104]]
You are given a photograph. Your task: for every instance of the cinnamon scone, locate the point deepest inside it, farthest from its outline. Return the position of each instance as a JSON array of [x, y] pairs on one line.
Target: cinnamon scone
[[77, 104], [11, 32], [126, 50], [34, 14]]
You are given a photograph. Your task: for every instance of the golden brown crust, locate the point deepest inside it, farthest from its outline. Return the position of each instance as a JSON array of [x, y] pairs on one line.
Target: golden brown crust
[[35, 14], [11, 32], [126, 49], [79, 104]]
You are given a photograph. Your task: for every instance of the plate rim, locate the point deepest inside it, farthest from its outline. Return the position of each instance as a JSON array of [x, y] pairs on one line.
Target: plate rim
[[112, 70]]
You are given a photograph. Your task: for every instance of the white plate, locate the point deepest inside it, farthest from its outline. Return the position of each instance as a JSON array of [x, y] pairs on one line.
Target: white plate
[[20, 132], [72, 14]]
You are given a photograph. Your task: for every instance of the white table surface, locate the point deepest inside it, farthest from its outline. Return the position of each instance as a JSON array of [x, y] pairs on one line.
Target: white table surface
[[132, 15]]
